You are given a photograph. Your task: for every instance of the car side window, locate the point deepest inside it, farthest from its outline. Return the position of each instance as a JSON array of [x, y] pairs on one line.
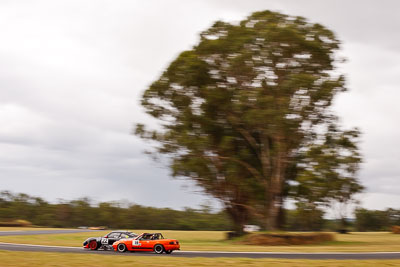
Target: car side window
[[113, 235], [124, 236], [145, 237]]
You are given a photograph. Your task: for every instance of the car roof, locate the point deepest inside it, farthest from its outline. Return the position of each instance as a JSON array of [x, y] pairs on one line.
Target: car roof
[[122, 231]]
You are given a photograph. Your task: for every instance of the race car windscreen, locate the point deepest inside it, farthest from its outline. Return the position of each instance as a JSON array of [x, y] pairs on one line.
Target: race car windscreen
[[128, 234]]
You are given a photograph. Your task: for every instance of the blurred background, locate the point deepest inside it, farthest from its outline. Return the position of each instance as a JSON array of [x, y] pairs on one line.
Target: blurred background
[[72, 74]]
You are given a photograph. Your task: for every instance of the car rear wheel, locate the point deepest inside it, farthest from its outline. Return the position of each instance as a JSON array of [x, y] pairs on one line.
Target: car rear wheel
[[168, 251], [93, 245], [121, 247], [158, 249]]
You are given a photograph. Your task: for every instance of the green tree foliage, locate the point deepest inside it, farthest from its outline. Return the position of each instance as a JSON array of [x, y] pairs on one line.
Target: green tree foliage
[[306, 217], [326, 172], [376, 220], [242, 114], [110, 214]]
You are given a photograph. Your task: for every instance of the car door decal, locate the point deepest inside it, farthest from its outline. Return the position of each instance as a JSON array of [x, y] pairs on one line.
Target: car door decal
[[136, 243], [104, 240]]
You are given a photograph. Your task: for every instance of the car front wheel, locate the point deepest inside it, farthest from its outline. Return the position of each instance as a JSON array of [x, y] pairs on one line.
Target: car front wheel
[[121, 247], [158, 249], [93, 245]]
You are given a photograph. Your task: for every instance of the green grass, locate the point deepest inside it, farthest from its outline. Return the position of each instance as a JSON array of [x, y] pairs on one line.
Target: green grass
[[46, 259], [215, 240], [28, 229]]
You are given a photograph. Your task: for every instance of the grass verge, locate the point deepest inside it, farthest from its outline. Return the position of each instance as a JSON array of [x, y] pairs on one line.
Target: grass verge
[[46, 259], [23, 229]]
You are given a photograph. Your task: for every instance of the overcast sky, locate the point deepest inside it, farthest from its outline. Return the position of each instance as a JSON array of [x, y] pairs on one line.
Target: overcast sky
[[72, 73]]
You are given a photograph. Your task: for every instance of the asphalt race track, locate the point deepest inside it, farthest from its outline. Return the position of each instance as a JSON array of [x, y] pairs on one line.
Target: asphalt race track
[[207, 254], [210, 254]]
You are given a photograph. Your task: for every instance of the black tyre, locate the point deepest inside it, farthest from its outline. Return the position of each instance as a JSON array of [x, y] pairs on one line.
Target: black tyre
[[93, 245], [158, 249], [168, 251], [121, 247]]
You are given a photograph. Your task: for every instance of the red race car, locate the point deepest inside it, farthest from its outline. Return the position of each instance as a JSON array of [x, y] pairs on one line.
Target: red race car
[[147, 242]]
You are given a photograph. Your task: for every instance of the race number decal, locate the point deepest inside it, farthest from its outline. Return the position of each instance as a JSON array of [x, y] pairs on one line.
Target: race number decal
[[104, 241], [136, 243]]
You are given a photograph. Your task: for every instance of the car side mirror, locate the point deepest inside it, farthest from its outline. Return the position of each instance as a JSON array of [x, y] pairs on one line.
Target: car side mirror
[[106, 236]]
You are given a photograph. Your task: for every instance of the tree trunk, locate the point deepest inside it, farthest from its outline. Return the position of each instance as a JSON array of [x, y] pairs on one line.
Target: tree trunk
[[281, 217], [239, 216], [273, 210], [274, 191]]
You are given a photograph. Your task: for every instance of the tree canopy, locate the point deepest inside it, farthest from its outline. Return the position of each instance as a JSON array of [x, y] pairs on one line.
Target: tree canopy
[[245, 113]]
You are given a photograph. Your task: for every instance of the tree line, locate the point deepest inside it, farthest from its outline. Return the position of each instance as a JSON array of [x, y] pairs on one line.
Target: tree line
[[376, 220], [115, 215], [82, 212]]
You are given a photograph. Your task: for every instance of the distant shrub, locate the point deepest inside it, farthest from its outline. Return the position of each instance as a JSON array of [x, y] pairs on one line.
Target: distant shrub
[[16, 223], [396, 229]]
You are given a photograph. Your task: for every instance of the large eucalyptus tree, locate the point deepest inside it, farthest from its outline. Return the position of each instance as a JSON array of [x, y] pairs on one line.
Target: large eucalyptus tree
[[243, 110]]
